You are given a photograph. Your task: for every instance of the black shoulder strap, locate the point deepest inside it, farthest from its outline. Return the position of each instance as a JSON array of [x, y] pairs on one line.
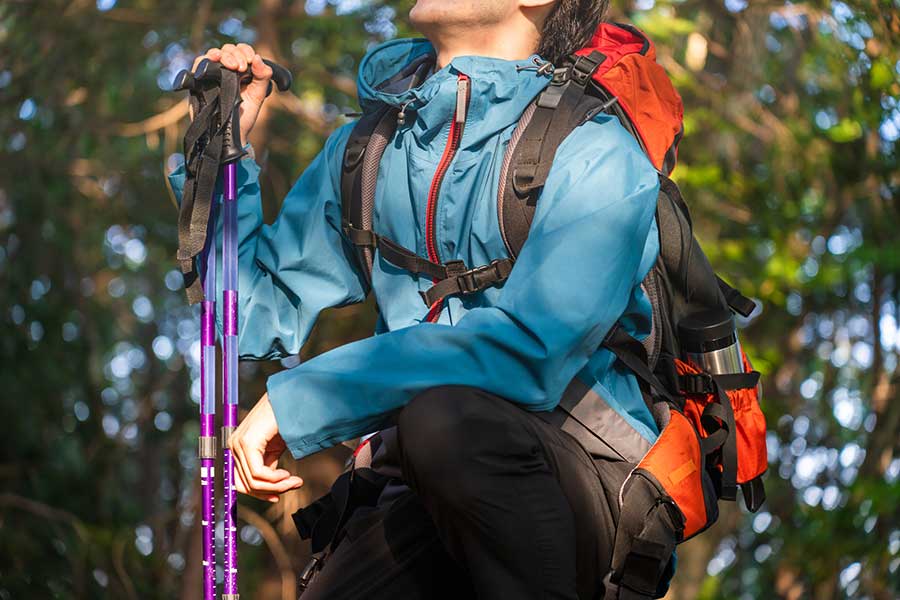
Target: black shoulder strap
[[359, 173], [545, 124]]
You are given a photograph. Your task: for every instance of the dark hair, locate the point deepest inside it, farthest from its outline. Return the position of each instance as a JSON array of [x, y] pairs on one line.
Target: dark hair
[[569, 27]]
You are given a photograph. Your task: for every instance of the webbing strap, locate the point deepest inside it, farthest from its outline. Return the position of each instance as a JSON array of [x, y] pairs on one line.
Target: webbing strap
[[469, 281], [408, 260], [204, 141], [634, 356], [728, 484], [453, 278], [702, 383]]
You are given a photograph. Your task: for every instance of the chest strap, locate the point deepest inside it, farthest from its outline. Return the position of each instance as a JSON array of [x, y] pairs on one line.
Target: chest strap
[[452, 278]]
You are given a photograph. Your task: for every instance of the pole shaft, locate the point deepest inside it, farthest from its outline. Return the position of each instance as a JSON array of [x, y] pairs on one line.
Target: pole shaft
[[208, 415], [229, 371]]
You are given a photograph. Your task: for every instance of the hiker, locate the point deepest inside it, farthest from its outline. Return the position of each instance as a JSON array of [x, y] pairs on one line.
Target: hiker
[[509, 414]]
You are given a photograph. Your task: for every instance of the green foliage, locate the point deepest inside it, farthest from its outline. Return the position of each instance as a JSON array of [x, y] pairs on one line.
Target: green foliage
[[789, 163]]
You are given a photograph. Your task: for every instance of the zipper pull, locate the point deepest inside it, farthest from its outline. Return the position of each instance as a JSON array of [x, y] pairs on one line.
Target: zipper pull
[[462, 98]]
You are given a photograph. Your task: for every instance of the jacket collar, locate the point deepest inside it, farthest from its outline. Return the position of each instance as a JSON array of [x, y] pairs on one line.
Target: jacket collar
[[398, 73]]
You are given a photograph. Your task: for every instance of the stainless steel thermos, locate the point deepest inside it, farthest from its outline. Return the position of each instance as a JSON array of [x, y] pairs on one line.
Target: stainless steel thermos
[[709, 341]]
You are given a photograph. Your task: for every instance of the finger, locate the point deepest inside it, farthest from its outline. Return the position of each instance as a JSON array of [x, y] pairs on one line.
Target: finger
[[264, 487], [213, 54], [241, 488], [266, 478], [239, 485], [240, 466], [232, 58], [247, 51], [260, 69], [238, 56], [260, 471], [263, 476], [238, 460]]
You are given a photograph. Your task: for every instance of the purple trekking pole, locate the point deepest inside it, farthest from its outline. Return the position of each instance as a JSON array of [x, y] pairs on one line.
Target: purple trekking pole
[[230, 354], [208, 417], [215, 133]]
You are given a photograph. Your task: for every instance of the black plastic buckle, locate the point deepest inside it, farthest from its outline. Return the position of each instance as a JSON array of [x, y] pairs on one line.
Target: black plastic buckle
[[560, 76], [553, 93], [696, 383], [480, 278], [584, 67]]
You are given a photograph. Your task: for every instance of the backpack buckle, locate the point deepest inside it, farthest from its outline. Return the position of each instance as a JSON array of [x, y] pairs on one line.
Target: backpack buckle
[[483, 277], [696, 383], [584, 67]]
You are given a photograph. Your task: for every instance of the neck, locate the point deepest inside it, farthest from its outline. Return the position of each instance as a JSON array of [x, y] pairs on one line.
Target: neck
[[514, 40]]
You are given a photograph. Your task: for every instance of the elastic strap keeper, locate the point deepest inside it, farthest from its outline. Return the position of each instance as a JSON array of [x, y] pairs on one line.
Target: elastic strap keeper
[[361, 237]]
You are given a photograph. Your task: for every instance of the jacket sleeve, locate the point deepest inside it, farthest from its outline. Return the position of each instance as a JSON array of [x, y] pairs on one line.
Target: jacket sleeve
[[572, 281], [292, 270]]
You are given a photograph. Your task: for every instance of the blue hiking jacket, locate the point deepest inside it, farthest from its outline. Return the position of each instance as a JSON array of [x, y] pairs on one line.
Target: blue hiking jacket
[[592, 241]]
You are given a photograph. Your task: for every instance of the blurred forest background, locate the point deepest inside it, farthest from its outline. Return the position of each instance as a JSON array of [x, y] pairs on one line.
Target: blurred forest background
[[789, 161]]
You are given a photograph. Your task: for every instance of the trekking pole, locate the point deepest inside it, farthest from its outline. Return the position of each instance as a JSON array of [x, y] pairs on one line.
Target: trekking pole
[[207, 442], [229, 344], [208, 416], [232, 151]]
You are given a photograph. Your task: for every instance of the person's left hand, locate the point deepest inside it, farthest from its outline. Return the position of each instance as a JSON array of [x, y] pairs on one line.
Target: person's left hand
[[257, 446]]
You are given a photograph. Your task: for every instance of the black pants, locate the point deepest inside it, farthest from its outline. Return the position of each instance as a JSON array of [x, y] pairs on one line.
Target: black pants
[[500, 505]]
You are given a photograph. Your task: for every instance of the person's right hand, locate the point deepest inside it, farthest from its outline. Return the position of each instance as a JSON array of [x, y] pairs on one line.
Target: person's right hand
[[241, 58]]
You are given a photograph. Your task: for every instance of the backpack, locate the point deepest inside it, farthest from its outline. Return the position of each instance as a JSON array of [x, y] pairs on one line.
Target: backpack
[[712, 430]]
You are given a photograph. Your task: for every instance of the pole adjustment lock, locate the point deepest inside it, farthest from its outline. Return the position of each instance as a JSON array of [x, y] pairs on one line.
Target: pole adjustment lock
[[226, 435], [207, 446]]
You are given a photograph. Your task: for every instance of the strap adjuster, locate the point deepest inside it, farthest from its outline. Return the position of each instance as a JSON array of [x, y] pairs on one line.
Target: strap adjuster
[[365, 238], [483, 277], [696, 383], [584, 67]]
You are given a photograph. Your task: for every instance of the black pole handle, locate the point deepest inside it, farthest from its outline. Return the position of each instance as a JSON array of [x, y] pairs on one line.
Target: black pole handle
[[184, 81], [211, 71]]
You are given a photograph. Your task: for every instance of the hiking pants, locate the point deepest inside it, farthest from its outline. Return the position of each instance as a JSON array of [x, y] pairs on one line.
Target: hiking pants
[[495, 503]]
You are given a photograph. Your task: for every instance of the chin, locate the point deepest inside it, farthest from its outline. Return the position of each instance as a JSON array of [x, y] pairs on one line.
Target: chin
[[430, 15]]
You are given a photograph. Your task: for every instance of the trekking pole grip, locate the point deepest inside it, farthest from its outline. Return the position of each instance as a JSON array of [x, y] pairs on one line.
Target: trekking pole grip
[[232, 146], [208, 70], [281, 76]]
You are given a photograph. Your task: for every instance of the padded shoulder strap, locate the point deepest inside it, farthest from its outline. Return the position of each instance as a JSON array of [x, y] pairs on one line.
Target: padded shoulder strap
[[558, 109], [359, 173]]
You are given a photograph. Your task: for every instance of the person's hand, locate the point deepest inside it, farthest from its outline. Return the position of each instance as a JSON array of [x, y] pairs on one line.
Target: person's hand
[[241, 58], [256, 447]]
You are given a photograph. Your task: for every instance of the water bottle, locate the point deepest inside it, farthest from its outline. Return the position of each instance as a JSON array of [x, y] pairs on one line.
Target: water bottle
[[709, 341]]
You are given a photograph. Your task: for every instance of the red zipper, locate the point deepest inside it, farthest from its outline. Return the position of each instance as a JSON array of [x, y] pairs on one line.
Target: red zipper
[[456, 130]]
